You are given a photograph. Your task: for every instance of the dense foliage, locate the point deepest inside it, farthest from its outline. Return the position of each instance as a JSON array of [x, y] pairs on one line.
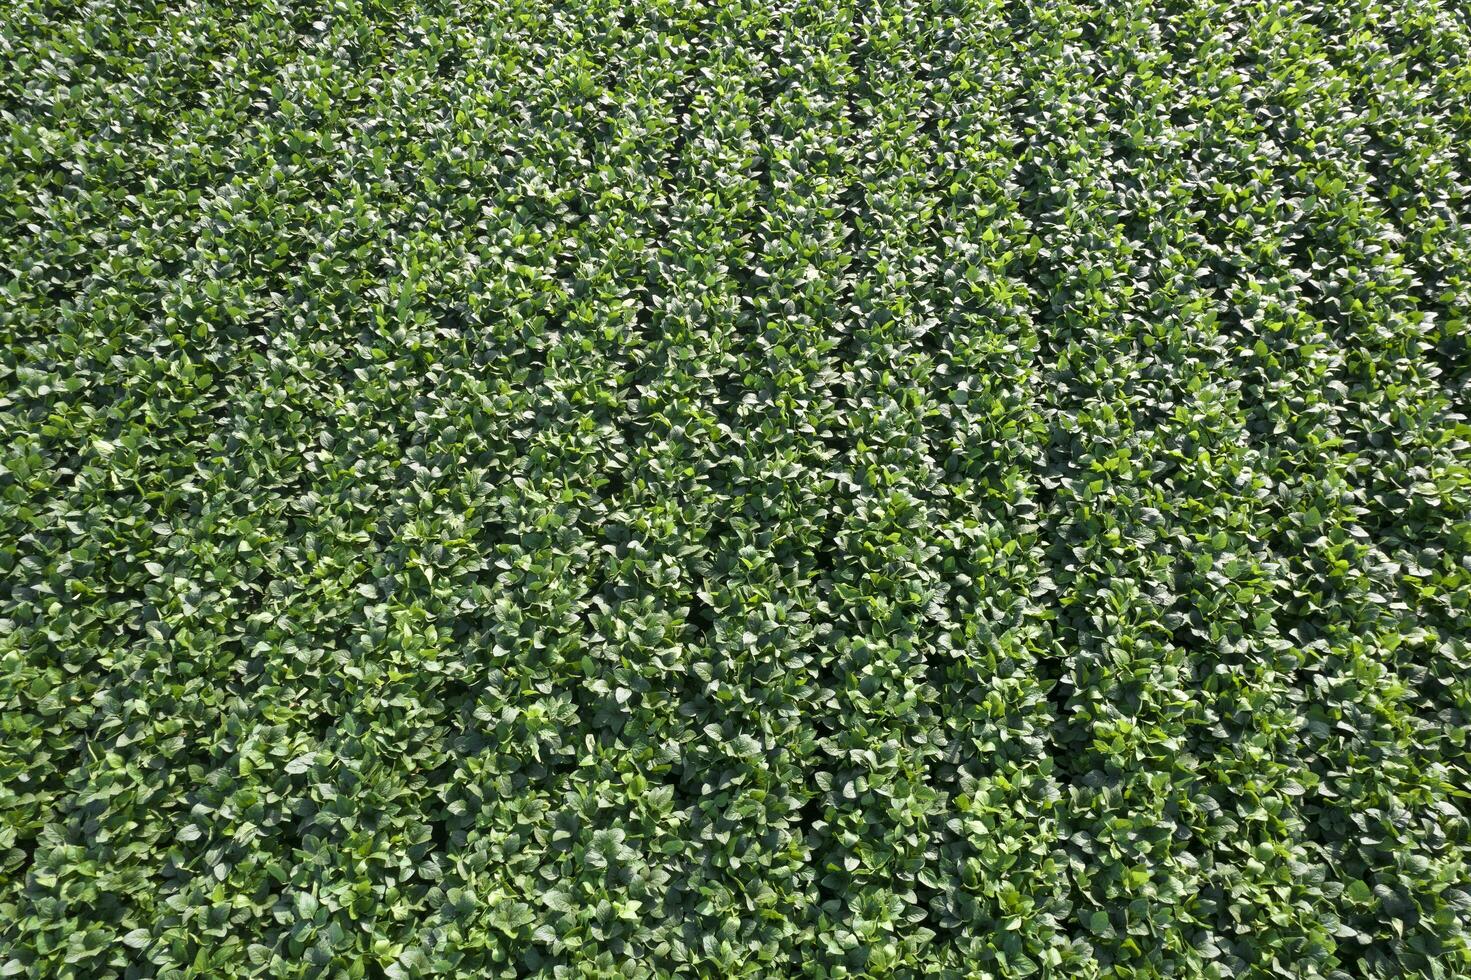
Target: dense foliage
[[921, 488]]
